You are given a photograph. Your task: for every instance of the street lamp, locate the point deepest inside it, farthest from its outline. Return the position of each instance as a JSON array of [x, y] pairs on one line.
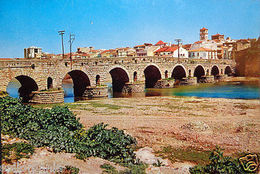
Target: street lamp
[[72, 38], [61, 33], [178, 41]]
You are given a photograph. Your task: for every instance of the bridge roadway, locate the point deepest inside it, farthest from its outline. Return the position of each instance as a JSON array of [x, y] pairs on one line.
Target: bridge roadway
[[41, 74]]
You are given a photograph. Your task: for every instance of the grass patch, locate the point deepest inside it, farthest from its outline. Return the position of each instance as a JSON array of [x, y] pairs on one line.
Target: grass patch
[[88, 106], [206, 106], [195, 115], [68, 170], [132, 169], [244, 106], [176, 107], [189, 154], [108, 106]]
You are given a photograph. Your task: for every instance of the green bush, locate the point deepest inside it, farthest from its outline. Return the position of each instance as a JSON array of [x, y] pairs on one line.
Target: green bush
[[59, 129], [68, 170], [219, 164], [42, 127], [16, 151], [111, 144]]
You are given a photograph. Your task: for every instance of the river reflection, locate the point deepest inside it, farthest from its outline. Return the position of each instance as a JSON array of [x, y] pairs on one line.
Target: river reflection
[[222, 90], [232, 90]]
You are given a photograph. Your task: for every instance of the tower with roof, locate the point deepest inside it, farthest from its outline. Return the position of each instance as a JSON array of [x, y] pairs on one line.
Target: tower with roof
[[203, 34]]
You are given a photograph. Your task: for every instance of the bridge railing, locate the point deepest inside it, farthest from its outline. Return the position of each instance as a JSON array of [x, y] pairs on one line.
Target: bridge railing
[[16, 63]]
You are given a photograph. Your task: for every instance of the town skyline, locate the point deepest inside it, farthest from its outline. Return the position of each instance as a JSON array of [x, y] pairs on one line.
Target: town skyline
[[115, 24]]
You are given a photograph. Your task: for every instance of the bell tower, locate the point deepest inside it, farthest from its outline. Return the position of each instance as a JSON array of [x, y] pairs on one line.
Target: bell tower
[[204, 34]]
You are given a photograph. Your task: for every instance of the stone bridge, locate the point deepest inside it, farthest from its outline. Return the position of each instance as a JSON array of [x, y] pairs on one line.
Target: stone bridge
[[41, 74]]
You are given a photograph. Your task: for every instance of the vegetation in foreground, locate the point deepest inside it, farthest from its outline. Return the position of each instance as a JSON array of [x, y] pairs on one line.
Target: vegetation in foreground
[[3, 93], [180, 154], [133, 169], [14, 152], [68, 170], [220, 164], [59, 129]]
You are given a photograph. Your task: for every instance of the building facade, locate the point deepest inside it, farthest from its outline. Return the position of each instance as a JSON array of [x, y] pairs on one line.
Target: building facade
[[33, 52]]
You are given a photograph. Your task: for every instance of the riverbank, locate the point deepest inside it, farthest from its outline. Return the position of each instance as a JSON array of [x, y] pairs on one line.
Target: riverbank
[[181, 129], [180, 122]]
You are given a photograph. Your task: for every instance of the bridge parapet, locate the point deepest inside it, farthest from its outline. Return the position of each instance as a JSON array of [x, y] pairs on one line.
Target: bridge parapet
[[25, 63]]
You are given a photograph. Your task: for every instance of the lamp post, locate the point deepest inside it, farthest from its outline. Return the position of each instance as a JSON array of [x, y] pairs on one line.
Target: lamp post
[[61, 33], [178, 41], [72, 38]]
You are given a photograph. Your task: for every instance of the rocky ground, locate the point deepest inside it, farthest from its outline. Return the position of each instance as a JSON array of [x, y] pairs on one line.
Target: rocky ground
[[162, 122]]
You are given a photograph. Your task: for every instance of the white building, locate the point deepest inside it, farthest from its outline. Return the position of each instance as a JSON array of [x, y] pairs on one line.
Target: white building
[[33, 52], [203, 53], [172, 51]]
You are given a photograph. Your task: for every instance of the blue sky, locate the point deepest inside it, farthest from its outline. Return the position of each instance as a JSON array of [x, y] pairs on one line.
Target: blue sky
[[120, 23]]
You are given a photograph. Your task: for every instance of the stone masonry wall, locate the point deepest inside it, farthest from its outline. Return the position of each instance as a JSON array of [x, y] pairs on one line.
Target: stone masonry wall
[[47, 97]]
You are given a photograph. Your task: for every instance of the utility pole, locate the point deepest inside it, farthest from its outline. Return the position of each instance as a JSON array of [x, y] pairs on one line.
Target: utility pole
[[178, 41], [61, 33], [72, 38]]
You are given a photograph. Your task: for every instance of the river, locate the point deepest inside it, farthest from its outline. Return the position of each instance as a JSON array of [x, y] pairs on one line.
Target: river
[[233, 90]]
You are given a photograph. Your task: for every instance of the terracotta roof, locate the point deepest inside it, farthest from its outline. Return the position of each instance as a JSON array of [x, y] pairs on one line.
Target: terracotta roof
[[216, 40], [160, 43], [203, 29], [104, 51], [198, 42], [84, 54], [187, 46], [139, 46], [6, 59], [166, 49], [108, 51], [201, 49], [218, 35], [243, 40]]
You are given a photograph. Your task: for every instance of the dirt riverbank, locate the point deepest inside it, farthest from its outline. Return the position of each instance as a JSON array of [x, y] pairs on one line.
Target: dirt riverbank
[[180, 121], [166, 122]]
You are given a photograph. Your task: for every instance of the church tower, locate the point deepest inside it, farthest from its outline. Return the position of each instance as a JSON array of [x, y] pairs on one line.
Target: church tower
[[204, 34]]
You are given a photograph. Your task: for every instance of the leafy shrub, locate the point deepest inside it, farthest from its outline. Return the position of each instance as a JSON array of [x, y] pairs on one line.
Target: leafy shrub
[[42, 127], [59, 129], [3, 93], [111, 144], [219, 164], [68, 170], [133, 169], [16, 151]]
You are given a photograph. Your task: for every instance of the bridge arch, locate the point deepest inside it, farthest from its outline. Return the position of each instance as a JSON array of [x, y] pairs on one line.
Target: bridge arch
[[152, 74], [79, 79], [25, 87], [214, 70], [166, 74], [119, 78], [135, 76], [97, 80], [228, 70], [179, 71], [49, 83], [199, 71]]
